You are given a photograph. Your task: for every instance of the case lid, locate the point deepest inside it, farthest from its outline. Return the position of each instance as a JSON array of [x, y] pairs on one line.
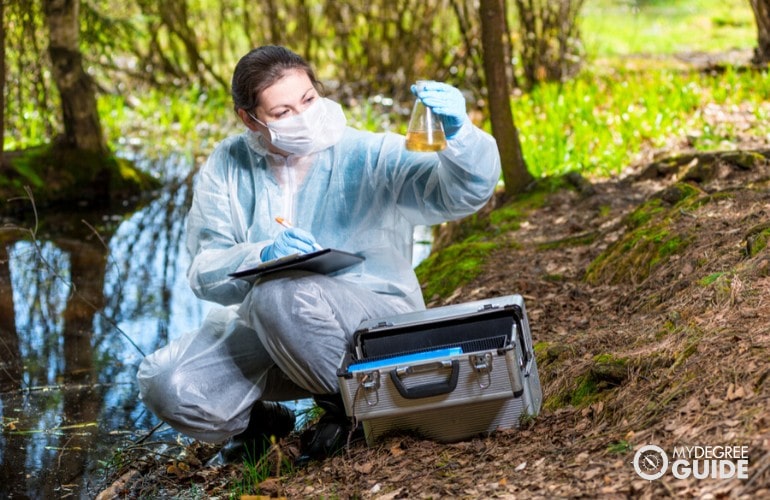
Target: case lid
[[483, 324]]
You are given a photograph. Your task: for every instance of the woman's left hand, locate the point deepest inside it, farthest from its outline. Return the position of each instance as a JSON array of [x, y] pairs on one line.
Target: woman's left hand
[[446, 101]]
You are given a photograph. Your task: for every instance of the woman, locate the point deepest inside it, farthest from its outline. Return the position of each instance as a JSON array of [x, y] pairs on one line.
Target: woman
[[283, 338]]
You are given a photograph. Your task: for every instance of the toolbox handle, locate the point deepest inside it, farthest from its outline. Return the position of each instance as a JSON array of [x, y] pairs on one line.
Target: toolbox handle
[[426, 390]]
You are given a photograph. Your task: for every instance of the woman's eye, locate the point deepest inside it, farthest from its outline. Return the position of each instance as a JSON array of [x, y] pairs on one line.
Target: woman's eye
[[310, 99]]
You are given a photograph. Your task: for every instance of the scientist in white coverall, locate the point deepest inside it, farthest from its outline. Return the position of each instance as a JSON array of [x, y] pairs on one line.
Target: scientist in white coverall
[[282, 338]]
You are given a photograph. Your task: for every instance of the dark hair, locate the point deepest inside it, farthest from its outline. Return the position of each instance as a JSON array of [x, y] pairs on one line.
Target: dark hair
[[261, 68]]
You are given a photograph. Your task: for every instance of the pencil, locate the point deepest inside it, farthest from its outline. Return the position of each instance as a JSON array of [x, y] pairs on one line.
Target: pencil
[[287, 225]]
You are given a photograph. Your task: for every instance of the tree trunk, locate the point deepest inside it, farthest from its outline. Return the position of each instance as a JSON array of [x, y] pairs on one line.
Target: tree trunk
[[2, 83], [82, 129], [515, 173], [10, 355], [761, 10]]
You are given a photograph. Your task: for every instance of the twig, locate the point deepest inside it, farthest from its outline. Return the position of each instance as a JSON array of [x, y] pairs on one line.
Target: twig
[[152, 431], [70, 284]]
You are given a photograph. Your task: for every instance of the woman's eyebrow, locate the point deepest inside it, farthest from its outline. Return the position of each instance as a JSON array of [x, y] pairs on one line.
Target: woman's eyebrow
[[278, 106]]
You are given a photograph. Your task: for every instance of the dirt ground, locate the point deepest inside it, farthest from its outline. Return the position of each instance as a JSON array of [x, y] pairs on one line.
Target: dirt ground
[[648, 297]]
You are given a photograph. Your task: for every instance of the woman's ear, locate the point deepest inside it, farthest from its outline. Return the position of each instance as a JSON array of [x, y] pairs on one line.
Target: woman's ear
[[247, 120]]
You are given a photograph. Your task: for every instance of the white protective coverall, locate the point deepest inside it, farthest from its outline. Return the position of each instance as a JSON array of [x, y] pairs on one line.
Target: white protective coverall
[[283, 338]]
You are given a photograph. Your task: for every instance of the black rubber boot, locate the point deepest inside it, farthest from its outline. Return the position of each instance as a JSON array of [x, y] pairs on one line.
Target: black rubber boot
[[330, 434], [267, 419]]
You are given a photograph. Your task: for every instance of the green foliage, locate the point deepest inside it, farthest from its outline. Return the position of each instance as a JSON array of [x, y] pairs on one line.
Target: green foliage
[[158, 99], [620, 447], [711, 278], [257, 469], [613, 28], [159, 123], [600, 122]]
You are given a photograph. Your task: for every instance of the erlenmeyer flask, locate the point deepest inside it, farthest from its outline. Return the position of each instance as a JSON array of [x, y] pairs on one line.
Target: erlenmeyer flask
[[425, 132]]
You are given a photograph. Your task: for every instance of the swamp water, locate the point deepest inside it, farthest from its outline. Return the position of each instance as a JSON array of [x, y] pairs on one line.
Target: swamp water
[[83, 297]]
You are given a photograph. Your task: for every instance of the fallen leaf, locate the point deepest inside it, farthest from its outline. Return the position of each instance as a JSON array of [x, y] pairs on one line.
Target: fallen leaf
[[734, 392], [175, 470], [365, 468]]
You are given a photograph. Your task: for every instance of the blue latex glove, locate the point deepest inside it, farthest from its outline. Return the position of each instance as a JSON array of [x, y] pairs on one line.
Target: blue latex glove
[[446, 101], [290, 241]]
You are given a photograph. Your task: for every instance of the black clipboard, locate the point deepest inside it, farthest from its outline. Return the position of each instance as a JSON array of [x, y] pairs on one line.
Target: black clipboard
[[325, 261]]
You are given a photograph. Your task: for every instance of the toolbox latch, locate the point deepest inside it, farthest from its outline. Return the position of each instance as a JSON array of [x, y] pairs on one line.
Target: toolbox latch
[[487, 307], [369, 383], [482, 365]]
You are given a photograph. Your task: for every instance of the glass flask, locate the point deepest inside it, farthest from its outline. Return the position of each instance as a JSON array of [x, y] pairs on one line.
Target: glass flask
[[425, 132]]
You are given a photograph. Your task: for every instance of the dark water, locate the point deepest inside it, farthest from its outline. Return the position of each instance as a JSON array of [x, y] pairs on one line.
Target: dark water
[[83, 296]]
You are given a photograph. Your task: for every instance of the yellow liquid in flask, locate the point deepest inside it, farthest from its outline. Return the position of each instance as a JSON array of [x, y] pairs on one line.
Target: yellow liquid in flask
[[425, 142]]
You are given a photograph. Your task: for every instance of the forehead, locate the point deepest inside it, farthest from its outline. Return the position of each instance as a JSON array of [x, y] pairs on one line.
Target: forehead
[[287, 90]]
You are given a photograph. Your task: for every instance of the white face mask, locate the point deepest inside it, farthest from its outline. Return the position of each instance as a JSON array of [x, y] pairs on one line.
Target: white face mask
[[318, 127]]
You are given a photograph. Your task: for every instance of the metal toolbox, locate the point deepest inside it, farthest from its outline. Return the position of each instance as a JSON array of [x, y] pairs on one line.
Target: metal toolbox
[[446, 373]]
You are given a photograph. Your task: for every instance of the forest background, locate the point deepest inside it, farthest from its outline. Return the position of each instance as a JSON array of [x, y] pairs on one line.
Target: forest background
[[595, 87], [160, 71]]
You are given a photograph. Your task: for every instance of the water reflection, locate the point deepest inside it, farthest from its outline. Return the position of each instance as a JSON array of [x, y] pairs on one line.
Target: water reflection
[[82, 298]]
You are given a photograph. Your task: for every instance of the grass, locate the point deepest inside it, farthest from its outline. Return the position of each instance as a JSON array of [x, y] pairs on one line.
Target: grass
[[600, 123], [157, 123], [614, 28]]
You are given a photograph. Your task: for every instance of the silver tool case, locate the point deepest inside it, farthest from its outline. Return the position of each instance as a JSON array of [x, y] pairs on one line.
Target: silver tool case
[[446, 373]]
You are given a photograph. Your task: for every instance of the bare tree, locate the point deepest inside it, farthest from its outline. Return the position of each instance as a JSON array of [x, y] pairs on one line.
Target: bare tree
[[550, 45], [761, 10], [2, 83], [82, 128], [493, 31]]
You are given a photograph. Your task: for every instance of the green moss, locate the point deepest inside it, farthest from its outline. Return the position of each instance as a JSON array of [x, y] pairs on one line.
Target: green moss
[[669, 327], [507, 218], [708, 280], [643, 213], [679, 193], [585, 393], [620, 447], [60, 176], [636, 255], [756, 239], [540, 347], [745, 160], [648, 241], [610, 359], [606, 372], [442, 273], [692, 337], [571, 241]]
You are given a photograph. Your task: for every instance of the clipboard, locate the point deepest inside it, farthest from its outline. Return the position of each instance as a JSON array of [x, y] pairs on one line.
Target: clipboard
[[324, 261]]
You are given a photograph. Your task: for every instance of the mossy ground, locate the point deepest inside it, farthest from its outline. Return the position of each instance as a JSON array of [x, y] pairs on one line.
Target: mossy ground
[[640, 339], [59, 176]]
